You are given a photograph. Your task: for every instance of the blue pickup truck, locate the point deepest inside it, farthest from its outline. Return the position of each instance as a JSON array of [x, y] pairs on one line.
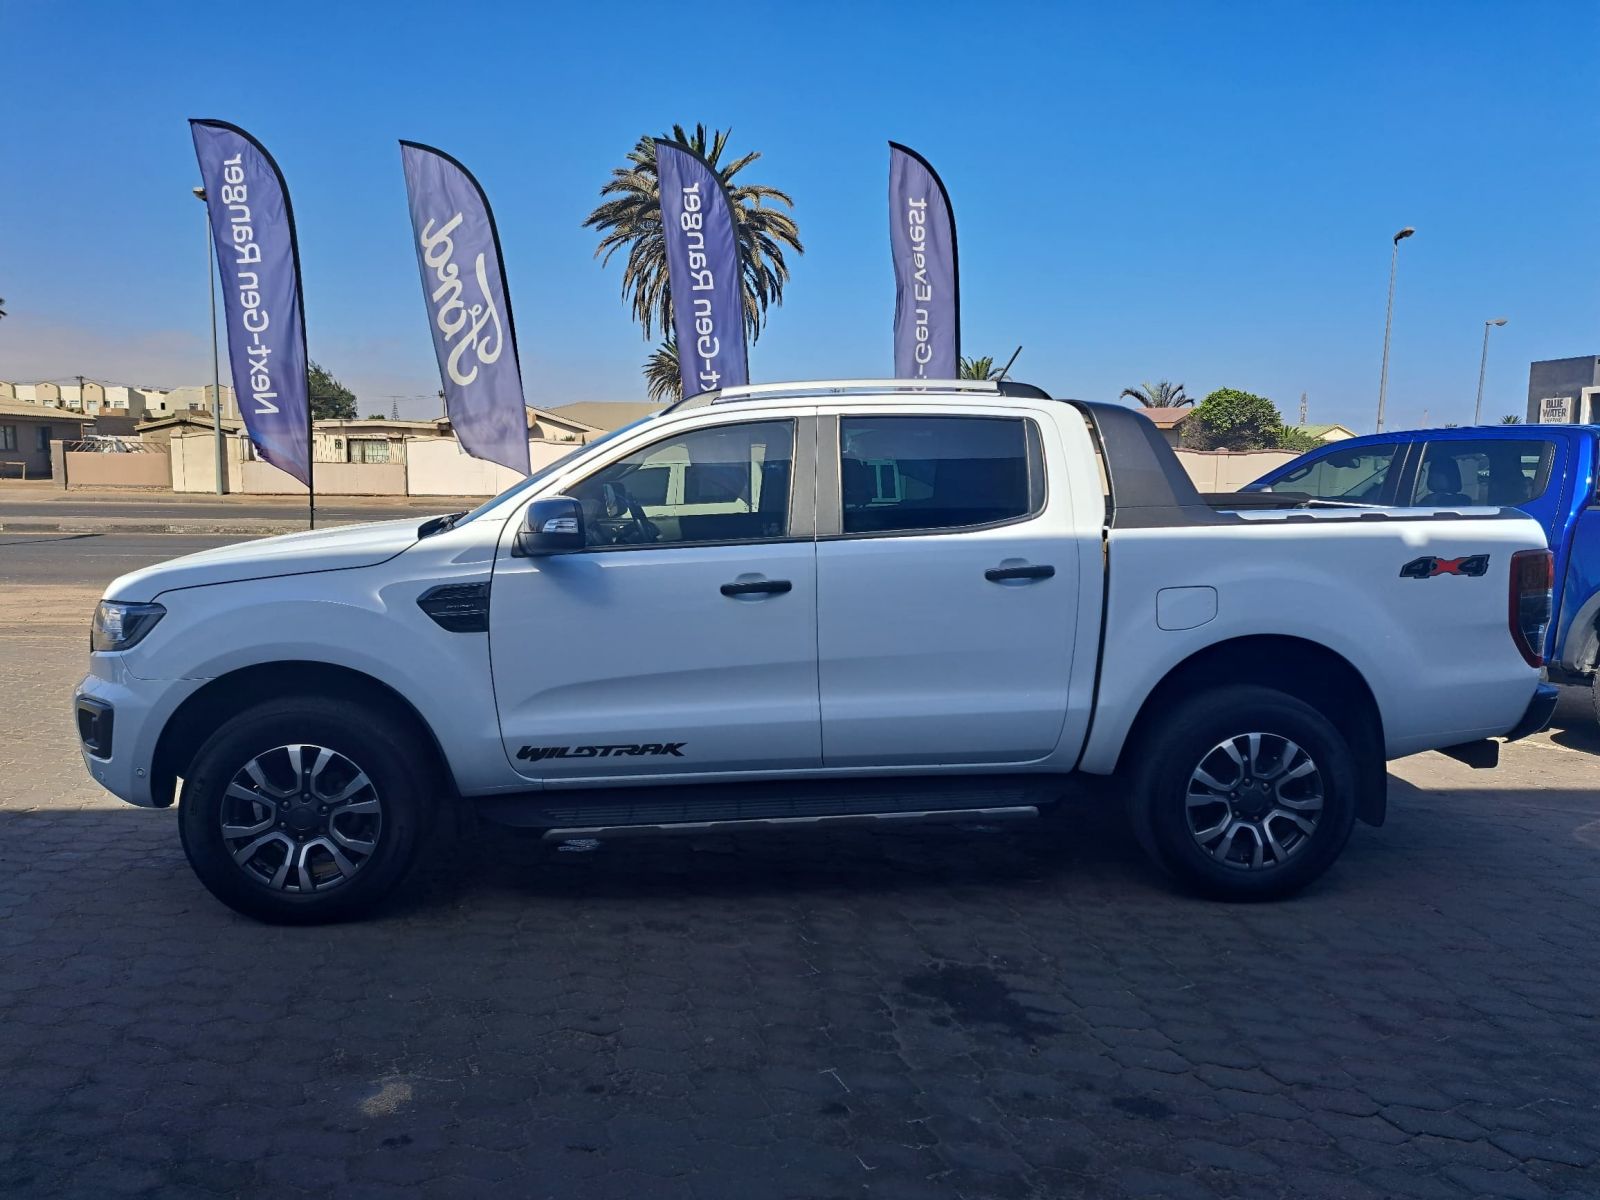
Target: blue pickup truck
[[1550, 472]]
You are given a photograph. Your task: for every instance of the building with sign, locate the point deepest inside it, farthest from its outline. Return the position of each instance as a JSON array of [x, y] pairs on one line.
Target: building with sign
[[1564, 391]]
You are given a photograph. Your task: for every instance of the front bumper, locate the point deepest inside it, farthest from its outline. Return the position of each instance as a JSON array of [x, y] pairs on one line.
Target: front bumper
[[119, 720], [1537, 717]]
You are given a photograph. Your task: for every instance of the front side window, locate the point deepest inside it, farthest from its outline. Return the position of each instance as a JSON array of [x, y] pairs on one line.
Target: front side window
[[898, 474], [1354, 476], [1492, 471], [725, 483]]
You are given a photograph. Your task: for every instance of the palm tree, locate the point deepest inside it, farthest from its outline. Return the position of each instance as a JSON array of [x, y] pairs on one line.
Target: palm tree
[[662, 380], [977, 368], [2, 306], [1511, 419], [629, 217], [1159, 395]]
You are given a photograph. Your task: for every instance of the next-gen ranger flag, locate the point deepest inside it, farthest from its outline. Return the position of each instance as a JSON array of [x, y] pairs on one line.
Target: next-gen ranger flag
[[704, 271], [927, 284], [253, 227]]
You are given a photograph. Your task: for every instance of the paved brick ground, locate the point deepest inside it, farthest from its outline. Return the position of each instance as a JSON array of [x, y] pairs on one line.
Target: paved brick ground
[[952, 1013]]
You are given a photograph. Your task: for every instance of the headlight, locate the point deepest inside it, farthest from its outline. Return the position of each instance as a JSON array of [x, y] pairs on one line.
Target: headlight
[[118, 626]]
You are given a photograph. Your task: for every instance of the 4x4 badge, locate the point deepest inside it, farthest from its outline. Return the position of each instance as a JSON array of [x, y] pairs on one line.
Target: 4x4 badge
[[1428, 566]]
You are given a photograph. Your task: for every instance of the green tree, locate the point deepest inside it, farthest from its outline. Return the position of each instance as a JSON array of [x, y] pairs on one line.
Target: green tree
[[661, 378], [1298, 440], [2, 306], [1229, 419], [977, 368], [1159, 395], [628, 218], [330, 399], [1511, 419]]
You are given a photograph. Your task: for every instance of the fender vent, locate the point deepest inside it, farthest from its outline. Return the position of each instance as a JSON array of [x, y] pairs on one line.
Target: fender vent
[[458, 607]]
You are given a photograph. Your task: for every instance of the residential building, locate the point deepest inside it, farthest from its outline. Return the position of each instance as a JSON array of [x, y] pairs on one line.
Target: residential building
[[26, 431], [370, 440], [1325, 433], [91, 397], [1564, 391], [606, 414], [1169, 421]]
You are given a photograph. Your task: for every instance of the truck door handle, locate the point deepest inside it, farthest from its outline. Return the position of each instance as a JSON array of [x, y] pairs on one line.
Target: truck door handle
[[757, 587], [1001, 574]]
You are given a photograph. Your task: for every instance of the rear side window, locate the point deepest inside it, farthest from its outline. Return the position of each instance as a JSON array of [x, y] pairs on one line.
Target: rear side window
[[1355, 476], [1494, 471], [899, 474]]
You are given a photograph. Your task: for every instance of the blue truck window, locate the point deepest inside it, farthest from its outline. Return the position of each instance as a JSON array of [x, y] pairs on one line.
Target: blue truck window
[[1491, 471], [1355, 476]]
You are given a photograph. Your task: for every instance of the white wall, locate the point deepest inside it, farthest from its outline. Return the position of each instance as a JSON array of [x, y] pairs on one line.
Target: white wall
[[440, 467], [1230, 470]]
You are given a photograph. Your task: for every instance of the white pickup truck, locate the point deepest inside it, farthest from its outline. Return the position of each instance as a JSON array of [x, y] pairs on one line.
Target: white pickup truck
[[789, 605]]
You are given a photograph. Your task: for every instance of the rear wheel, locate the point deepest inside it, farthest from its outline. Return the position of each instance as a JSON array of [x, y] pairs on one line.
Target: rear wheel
[[1244, 793], [1594, 694], [304, 810]]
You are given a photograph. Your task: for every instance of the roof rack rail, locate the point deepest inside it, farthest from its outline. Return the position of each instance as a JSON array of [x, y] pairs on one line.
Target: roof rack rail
[[846, 387]]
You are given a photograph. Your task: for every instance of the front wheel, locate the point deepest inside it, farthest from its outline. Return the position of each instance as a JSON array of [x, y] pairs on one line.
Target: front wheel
[[1244, 793], [304, 810]]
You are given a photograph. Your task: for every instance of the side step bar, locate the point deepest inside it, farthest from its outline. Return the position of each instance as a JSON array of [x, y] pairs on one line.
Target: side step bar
[[1010, 812]]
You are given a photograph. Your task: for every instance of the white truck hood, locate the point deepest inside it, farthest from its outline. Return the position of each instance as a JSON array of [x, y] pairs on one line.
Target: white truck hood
[[291, 554]]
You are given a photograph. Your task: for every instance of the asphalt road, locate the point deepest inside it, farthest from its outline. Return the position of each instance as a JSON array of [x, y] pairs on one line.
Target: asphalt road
[[115, 508], [962, 1012], [90, 560]]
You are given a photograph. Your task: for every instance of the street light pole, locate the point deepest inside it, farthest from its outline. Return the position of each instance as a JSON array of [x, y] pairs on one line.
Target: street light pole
[[1483, 364], [216, 362], [1388, 321]]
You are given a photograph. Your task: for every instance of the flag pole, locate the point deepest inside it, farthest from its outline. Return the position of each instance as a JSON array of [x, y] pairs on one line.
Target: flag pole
[[311, 458]]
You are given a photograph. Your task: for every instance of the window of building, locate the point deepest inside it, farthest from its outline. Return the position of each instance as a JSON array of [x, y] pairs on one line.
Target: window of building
[[8, 437], [369, 450], [1493, 472], [44, 433], [725, 483], [898, 474]]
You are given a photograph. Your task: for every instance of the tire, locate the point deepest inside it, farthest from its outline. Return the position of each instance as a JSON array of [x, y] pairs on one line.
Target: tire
[[294, 819], [1594, 694], [1269, 852]]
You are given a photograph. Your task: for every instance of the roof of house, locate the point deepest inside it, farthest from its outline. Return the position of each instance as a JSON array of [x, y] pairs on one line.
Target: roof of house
[[1166, 418], [605, 414], [192, 416], [1322, 431], [40, 412]]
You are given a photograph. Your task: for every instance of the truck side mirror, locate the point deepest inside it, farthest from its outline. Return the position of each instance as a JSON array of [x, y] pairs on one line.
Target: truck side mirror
[[553, 525]]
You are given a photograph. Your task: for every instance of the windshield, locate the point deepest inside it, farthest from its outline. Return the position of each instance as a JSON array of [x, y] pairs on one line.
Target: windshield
[[546, 471]]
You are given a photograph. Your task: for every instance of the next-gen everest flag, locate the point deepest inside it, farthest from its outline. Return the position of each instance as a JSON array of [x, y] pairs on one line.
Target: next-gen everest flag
[[253, 227], [469, 309], [704, 271], [927, 291]]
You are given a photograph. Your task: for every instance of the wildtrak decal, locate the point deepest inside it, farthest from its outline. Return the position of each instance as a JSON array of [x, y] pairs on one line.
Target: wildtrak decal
[[626, 750], [1428, 567]]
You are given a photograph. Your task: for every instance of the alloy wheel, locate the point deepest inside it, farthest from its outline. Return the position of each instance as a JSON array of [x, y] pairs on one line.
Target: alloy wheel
[[301, 818], [1254, 801]]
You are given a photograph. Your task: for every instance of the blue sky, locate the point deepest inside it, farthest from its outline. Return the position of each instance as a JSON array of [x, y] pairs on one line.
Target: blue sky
[[1203, 192]]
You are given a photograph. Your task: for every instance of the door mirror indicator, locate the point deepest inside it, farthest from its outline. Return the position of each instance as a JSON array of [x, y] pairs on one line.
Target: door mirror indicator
[[553, 525]]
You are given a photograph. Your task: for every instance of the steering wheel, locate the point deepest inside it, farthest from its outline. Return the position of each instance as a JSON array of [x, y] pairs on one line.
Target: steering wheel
[[636, 529]]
